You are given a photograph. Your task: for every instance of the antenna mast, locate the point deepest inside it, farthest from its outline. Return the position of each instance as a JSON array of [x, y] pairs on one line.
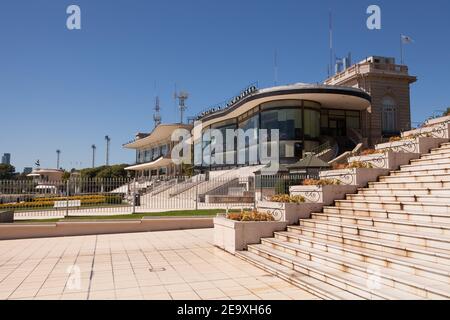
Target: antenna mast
[[330, 69], [182, 97], [157, 114]]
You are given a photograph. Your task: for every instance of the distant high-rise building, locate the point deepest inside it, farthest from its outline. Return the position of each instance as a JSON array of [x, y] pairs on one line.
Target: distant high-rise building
[[27, 170], [6, 158]]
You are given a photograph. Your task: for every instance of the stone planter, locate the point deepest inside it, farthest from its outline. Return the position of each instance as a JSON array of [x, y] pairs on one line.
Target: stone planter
[[438, 120], [420, 145], [235, 236], [436, 128], [324, 195], [6, 216], [388, 160], [355, 177], [289, 212]]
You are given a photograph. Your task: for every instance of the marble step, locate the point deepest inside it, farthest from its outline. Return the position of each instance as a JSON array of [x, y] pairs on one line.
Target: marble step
[[390, 224], [421, 162], [407, 270], [400, 198], [415, 251], [424, 239], [441, 155], [419, 178], [381, 258], [339, 277], [405, 192], [442, 208], [399, 215], [316, 287], [427, 170], [432, 184]]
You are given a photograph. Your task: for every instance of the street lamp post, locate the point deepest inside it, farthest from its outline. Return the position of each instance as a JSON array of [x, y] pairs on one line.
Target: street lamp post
[[93, 155], [58, 153], [108, 140]]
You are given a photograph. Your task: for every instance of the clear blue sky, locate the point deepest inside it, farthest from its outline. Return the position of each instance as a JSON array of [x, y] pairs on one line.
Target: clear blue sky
[[62, 89]]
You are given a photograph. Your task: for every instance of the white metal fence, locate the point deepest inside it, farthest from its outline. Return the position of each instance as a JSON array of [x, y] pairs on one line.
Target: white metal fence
[[37, 199]]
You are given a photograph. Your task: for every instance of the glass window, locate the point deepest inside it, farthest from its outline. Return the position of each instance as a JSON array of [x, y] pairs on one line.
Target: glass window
[[336, 113], [389, 115], [226, 123], [164, 150], [251, 124], [324, 121], [288, 121], [281, 104], [156, 153], [311, 104], [353, 123], [312, 124]]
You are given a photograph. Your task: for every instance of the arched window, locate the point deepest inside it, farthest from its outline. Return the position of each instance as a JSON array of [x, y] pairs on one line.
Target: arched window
[[389, 115]]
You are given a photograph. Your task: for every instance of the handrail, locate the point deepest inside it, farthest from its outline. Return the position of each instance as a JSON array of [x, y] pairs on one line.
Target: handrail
[[321, 148]]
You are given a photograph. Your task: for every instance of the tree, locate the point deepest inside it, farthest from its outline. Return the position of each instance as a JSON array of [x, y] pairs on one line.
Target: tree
[[447, 112], [6, 171], [106, 172]]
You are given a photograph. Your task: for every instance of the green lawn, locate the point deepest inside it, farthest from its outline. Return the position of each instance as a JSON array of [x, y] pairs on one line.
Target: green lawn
[[186, 213]]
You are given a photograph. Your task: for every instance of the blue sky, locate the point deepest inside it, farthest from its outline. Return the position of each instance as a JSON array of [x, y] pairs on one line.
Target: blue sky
[[62, 89]]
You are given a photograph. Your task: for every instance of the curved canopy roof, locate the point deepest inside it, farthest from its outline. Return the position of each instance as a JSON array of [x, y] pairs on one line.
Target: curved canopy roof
[[158, 163], [162, 132], [333, 97]]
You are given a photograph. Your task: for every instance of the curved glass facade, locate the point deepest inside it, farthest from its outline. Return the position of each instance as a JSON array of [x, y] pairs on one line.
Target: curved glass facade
[[298, 121]]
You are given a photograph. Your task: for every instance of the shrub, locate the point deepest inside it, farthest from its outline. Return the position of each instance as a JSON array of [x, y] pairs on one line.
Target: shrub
[[353, 165], [394, 139], [339, 166], [446, 112], [48, 202], [321, 182], [359, 165], [285, 198], [368, 152], [250, 216]]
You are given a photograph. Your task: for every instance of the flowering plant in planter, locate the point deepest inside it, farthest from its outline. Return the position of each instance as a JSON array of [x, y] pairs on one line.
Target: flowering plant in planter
[[353, 165], [369, 152], [321, 182], [393, 139], [250, 216], [285, 198]]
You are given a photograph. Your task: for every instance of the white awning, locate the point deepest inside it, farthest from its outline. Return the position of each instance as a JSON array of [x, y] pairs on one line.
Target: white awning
[[161, 133], [158, 163]]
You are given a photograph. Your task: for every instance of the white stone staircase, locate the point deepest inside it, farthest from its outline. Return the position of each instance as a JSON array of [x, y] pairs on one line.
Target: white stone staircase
[[391, 240]]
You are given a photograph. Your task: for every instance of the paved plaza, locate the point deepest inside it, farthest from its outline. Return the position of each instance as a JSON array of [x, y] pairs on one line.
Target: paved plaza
[[155, 265]]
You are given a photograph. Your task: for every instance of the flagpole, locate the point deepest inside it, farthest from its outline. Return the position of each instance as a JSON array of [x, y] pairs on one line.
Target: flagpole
[[401, 49], [275, 60]]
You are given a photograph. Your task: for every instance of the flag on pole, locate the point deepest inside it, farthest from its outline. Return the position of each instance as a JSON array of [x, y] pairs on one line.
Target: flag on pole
[[407, 39], [404, 40]]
